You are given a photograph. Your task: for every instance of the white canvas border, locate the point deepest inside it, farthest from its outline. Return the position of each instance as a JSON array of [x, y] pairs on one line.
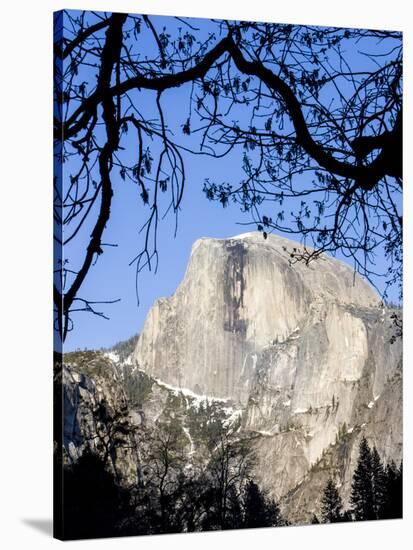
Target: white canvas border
[[26, 350]]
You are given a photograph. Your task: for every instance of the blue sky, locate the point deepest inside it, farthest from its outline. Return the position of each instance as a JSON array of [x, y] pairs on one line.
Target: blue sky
[[112, 278]]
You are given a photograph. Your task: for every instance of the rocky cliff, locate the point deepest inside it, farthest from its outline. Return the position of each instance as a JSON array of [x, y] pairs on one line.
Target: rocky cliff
[[302, 349], [240, 296], [296, 358]]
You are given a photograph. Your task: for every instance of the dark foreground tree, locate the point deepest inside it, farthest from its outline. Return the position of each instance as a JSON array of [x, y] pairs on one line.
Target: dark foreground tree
[[94, 505], [379, 484], [229, 467], [377, 491], [312, 115], [362, 492], [164, 478], [393, 505], [258, 509], [331, 504], [170, 495]]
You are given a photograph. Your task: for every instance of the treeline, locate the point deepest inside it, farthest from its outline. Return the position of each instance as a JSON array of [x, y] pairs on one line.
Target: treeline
[[376, 491], [174, 489], [172, 493]]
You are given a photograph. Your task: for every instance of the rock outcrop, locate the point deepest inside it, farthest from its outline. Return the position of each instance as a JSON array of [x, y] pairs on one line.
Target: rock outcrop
[[304, 350], [295, 358], [238, 297]]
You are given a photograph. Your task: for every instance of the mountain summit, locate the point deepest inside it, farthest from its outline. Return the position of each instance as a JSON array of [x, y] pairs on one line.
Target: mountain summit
[[238, 297], [302, 350], [293, 359]]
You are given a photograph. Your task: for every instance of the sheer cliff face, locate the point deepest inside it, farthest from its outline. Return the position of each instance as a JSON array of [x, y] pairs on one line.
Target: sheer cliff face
[[295, 359], [303, 350], [240, 296]]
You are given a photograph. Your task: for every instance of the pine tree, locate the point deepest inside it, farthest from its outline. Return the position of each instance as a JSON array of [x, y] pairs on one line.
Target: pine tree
[[379, 484], [398, 493], [361, 499], [259, 510], [393, 507], [331, 504], [254, 506]]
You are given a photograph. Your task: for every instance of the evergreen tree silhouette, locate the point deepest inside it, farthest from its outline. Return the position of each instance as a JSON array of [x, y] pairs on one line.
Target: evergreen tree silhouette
[[398, 493], [259, 511], [332, 505], [361, 499], [377, 491], [94, 504], [379, 484], [393, 506]]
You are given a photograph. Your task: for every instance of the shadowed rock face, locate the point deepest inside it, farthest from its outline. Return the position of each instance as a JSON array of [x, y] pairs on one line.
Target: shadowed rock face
[[303, 350]]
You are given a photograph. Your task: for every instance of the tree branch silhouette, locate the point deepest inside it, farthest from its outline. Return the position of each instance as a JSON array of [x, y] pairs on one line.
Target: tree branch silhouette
[[317, 136]]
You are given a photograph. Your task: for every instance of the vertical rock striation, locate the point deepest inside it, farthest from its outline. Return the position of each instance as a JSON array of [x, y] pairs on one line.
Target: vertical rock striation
[[303, 350], [240, 296]]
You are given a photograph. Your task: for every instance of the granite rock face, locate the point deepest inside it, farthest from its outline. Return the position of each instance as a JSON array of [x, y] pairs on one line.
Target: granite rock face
[[238, 297], [295, 358], [304, 352], [95, 408]]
